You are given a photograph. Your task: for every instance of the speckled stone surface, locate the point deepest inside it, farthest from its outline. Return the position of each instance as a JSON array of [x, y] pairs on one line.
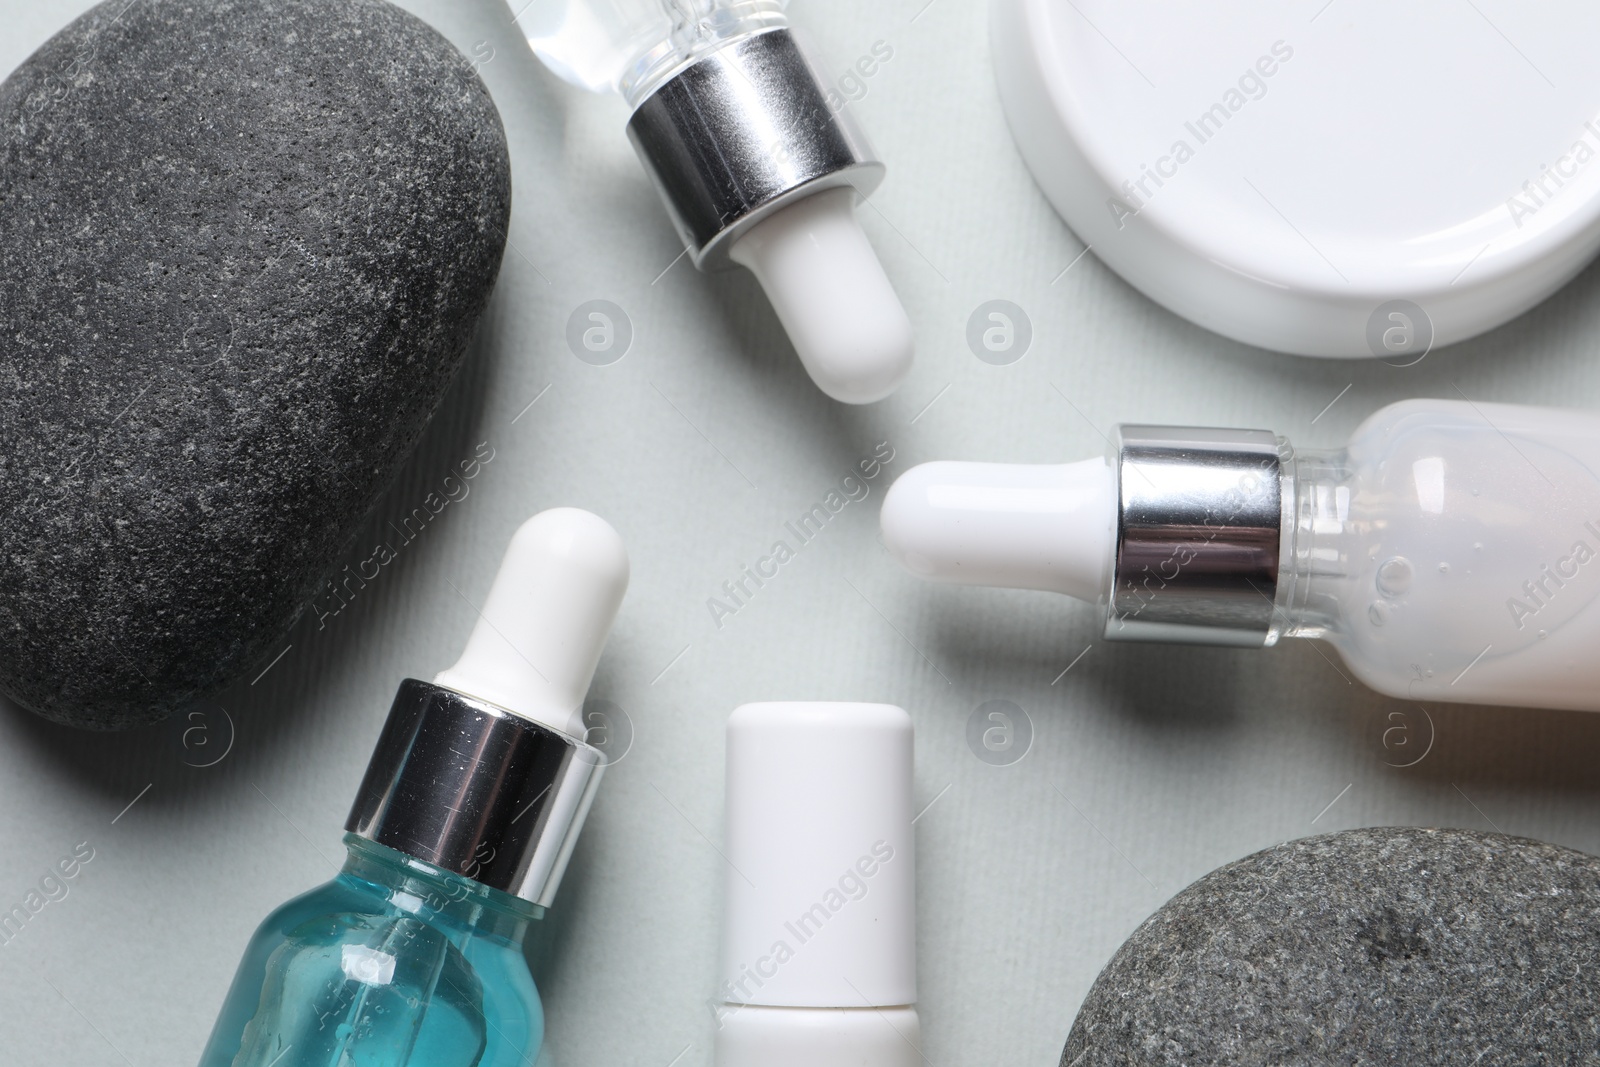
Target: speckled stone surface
[[243, 246], [1380, 946]]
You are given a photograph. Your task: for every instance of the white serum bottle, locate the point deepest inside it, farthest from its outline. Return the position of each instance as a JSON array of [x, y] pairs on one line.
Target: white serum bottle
[[1450, 552]]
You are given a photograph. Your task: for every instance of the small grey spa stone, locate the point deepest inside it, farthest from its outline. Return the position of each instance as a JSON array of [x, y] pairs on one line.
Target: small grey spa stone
[[1381, 946], [243, 246]]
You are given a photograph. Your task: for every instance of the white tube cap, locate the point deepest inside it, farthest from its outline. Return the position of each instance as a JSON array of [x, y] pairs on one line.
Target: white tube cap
[[821, 883], [542, 629], [832, 296], [1018, 526], [818, 1037]]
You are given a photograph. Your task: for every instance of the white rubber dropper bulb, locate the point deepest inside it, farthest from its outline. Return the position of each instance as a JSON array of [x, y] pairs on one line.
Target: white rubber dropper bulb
[[832, 296], [545, 622], [1003, 524]]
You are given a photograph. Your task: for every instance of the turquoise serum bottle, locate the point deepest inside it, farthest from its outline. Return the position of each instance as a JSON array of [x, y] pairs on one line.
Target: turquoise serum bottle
[[413, 955]]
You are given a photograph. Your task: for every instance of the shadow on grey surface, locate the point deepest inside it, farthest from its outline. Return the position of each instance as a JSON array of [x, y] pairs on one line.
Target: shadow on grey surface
[[1049, 643], [754, 339], [1557, 751], [104, 763], [326, 641], [1439, 745], [1162, 688], [836, 435]]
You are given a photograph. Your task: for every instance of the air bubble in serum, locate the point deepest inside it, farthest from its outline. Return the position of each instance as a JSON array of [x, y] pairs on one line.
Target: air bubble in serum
[[1394, 576]]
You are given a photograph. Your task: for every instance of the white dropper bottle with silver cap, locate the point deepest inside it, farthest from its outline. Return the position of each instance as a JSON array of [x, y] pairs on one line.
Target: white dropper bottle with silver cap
[[460, 832], [1447, 553], [755, 160], [819, 925]]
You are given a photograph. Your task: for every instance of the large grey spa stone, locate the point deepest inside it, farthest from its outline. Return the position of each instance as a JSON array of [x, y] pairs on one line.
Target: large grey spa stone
[[1386, 946], [243, 245]]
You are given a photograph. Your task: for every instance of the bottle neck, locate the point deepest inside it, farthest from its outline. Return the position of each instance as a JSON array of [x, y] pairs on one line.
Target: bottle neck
[[1315, 561], [699, 28], [434, 895], [1200, 536], [468, 787]]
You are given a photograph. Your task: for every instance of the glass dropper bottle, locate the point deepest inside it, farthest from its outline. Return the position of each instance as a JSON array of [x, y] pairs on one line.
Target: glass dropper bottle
[[756, 167], [1447, 552], [413, 955]]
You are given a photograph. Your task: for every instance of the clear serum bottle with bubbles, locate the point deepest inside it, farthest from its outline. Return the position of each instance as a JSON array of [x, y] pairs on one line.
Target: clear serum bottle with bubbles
[[413, 956], [1450, 552], [758, 160]]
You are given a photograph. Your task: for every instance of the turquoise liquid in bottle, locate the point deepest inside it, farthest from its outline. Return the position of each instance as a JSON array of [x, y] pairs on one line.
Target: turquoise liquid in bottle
[[457, 839], [393, 963]]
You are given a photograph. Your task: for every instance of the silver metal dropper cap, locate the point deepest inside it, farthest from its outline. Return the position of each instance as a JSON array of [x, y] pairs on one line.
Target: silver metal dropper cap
[[1200, 527], [743, 133], [477, 790], [478, 772]]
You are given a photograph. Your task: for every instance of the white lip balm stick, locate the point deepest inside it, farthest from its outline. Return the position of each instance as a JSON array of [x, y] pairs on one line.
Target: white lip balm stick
[[819, 928]]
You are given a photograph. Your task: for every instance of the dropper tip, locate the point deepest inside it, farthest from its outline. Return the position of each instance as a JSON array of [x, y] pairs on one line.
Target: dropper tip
[[831, 294], [544, 624], [1017, 526]]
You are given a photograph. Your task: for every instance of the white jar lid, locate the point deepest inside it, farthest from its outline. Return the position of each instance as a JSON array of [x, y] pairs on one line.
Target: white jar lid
[[1341, 178]]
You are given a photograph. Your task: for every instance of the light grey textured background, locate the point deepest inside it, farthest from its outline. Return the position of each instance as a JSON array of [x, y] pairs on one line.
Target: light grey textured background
[[1148, 767]]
